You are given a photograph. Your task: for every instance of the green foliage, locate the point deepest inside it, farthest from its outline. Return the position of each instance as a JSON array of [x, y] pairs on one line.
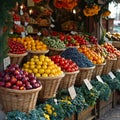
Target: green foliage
[[103, 88], [90, 95], [114, 84]]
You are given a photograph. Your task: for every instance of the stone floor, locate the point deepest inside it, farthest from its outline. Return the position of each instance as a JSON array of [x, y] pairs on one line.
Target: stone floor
[[113, 114]]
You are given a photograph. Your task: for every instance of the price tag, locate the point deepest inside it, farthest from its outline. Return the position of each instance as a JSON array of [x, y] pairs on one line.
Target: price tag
[[6, 62], [73, 32], [55, 100], [26, 23], [99, 79], [88, 84], [72, 92], [52, 25], [39, 33], [22, 34], [111, 75], [52, 19], [21, 12]]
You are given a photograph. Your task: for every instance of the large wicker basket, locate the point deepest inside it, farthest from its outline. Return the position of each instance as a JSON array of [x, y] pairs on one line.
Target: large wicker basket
[[116, 64], [68, 80], [108, 66], [31, 53], [16, 58], [98, 70], [84, 73], [49, 87], [22, 100], [55, 51]]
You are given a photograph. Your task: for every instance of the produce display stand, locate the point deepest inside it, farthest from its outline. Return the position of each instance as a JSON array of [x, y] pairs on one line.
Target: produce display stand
[[116, 44], [108, 66], [98, 70], [55, 51], [22, 100], [116, 64], [73, 117], [31, 53], [49, 87], [68, 80], [103, 107], [16, 58], [84, 73], [87, 114]]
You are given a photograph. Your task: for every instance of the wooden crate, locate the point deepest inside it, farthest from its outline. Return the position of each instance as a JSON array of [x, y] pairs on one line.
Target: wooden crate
[[73, 117], [87, 114], [116, 98], [102, 107]]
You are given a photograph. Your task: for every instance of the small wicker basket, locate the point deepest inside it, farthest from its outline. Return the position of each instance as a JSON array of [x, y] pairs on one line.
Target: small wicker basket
[[16, 58], [116, 64], [22, 100], [31, 53], [108, 66], [84, 73], [98, 70], [49, 87], [68, 80], [55, 51]]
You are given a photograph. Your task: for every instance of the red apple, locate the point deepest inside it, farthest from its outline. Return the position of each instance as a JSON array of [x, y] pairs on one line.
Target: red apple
[[19, 83], [15, 87], [6, 77], [13, 80], [8, 84]]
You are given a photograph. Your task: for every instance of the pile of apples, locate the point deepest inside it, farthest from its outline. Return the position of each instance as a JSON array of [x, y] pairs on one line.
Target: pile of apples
[[42, 66], [67, 65], [14, 77], [16, 47], [111, 49]]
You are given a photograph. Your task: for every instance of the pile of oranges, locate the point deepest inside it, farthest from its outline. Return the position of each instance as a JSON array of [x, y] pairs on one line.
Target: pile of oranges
[[91, 55], [31, 44]]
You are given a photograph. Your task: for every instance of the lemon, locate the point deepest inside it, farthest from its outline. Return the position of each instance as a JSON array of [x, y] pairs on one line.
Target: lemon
[[44, 66], [35, 70], [32, 66], [47, 71], [41, 71], [37, 75], [39, 63], [44, 75], [35, 56], [38, 66], [51, 75]]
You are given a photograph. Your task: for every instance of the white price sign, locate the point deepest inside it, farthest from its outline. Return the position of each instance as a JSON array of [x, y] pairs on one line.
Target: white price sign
[[111, 75], [23, 34], [6, 62], [99, 79], [88, 84], [72, 92]]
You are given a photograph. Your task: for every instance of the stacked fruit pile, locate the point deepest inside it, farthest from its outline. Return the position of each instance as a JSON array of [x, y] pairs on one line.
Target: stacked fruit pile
[[91, 55], [31, 44], [16, 47], [67, 65], [16, 78], [42, 66]]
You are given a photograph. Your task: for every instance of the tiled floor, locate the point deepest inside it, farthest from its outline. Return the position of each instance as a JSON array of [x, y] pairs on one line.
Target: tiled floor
[[113, 114]]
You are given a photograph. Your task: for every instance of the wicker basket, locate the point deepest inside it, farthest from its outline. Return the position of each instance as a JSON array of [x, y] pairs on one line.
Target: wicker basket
[[68, 80], [108, 66], [31, 53], [16, 58], [84, 73], [116, 44], [55, 51], [98, 70], [49, 87], [22, 100], [116, 64]]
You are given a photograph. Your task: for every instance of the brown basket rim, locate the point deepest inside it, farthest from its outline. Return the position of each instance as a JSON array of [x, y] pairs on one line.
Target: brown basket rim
[[73, 47], [38, 51], [17, 55], [48, 78], [111, 59], [87, 68], [72, 72], [21, 91], [101, 64], [56, 49]]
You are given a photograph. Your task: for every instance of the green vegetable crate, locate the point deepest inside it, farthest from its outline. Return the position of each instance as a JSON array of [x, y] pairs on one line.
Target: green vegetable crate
[[87, 114], [102, 107]]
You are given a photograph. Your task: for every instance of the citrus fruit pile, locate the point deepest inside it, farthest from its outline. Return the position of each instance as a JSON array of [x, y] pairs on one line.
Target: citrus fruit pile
[[42, 66]]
